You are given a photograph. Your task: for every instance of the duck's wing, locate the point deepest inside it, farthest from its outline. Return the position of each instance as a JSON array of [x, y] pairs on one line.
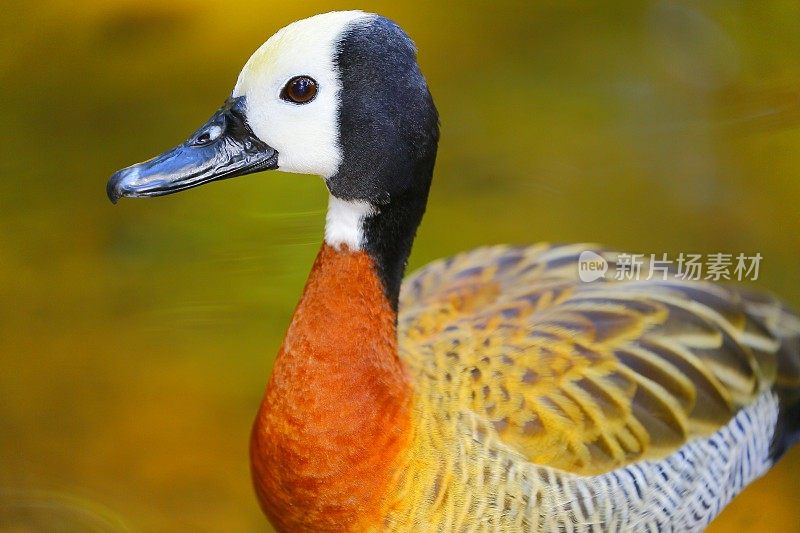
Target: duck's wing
[[589, 376]]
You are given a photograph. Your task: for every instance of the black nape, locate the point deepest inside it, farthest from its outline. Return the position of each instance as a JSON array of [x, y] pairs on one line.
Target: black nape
[[389, 132]]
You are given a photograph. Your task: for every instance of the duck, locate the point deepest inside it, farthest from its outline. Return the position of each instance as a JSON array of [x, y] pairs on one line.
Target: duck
[[494, 390]]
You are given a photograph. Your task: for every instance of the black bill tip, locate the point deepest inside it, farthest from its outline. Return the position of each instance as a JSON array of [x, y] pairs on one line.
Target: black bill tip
[[115, 188]]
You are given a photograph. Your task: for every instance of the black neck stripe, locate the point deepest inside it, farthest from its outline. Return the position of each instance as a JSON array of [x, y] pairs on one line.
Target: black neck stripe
[[389, 132]]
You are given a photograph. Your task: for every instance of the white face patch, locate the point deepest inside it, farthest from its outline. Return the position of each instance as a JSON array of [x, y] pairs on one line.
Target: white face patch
[[306, 136], [344, 224]]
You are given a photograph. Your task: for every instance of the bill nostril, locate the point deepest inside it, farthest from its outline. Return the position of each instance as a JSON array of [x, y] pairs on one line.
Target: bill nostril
[[208, 136]]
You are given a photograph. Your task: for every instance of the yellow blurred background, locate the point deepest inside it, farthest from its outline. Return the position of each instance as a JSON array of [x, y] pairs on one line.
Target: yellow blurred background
[[135, 341]]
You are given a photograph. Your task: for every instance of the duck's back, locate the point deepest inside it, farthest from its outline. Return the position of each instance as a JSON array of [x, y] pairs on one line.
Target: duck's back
[[545, 402]]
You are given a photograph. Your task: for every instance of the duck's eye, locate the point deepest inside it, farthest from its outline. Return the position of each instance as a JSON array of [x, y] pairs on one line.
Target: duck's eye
[[300, 90]]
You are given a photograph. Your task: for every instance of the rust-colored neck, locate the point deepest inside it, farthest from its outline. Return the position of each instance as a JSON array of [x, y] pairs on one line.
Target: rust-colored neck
[[336, 414]]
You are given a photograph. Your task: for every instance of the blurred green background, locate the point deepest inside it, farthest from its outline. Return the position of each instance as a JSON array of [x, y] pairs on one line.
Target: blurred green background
[[135, 340]]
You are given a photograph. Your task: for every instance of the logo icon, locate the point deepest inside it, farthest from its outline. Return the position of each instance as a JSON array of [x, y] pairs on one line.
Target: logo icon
[[591, 266]]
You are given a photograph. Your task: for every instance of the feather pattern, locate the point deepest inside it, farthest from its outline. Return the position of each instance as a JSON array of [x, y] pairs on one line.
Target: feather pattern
[[551, 404]]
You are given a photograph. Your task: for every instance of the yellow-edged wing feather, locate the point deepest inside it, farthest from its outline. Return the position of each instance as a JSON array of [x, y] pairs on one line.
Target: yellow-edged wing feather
[[587, 377]]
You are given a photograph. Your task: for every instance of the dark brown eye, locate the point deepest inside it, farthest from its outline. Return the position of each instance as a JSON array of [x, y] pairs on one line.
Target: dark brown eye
[[300, 90]]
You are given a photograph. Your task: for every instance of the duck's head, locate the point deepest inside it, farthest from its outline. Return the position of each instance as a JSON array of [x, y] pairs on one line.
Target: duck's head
[[339, 95]]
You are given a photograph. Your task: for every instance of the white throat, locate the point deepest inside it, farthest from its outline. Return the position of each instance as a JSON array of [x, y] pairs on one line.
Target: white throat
[[344, 224]]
